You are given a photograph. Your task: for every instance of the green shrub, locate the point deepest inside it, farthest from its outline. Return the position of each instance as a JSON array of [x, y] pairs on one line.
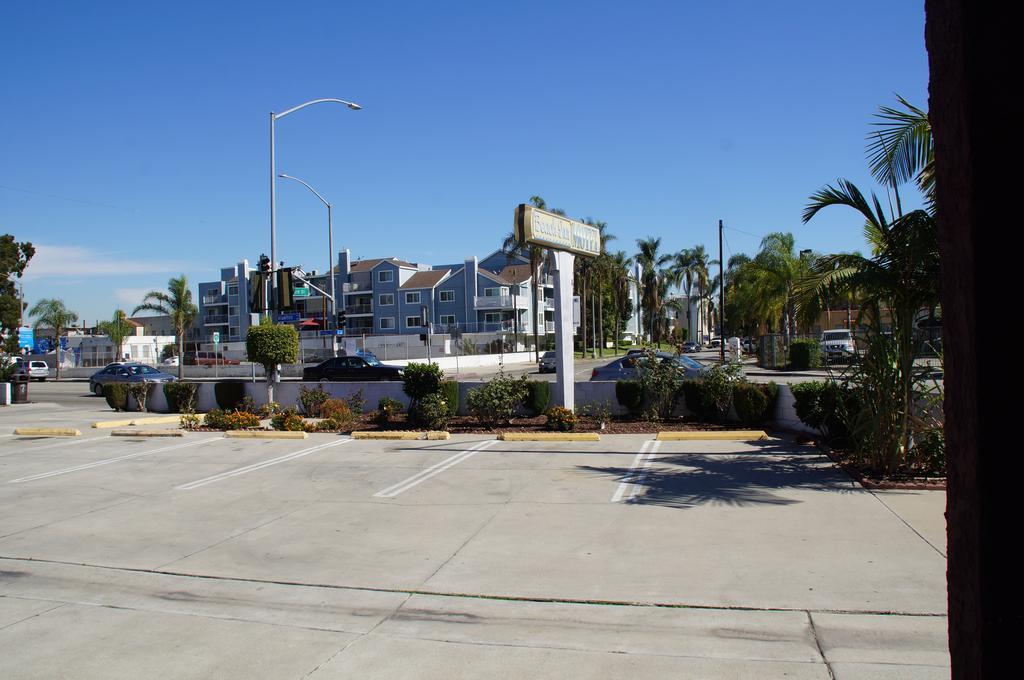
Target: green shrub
[[630, 396], [181, 396], [698, 401], [231, 420], [825, 406], [116, 395], [420, 380], [539, 396], [431, 412], [804, 354], [356, 402], [754, 403], [450, 392], [497, 401], [288, 420], [560, 419], [270, 345], [930, 449], [387, 409], [659, 382], [229, 394], [140, 393], [312, 399]]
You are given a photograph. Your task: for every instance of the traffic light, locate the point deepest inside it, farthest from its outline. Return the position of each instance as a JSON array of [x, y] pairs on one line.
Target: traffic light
[[257, 293], [341, 318], [285, 300], [265, 264]]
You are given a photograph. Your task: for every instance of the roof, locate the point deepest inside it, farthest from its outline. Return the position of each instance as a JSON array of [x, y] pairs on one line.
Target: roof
[[427, 279], [367, 265], [516, 273], [492, 276]]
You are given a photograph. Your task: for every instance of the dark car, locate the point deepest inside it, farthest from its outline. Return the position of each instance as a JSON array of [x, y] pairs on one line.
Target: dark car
[[548, 363], [691, 346], [356, 369], [126, 373]]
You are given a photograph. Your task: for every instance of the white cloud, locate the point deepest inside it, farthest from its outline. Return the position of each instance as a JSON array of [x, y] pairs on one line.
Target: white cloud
[[130, 297], [64, 261]]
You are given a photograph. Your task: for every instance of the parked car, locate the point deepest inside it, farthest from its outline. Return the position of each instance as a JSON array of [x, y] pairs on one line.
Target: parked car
[[355, 369], [837, 345], [626, 367], [691, 346], [714, 343], [750, 345], [548, 363], [126, 373], [33, 370]]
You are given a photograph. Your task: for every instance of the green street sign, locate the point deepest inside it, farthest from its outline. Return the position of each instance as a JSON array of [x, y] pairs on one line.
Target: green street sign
[[300, 292], [216, 337]]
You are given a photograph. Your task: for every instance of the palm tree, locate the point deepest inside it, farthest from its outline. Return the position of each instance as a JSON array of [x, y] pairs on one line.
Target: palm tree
[[902, 150], [52, 313], [776, 269], [511, 245], [619, 278], [117, 329], [700, 264], [902, 274], [177, 304], [651, 261]]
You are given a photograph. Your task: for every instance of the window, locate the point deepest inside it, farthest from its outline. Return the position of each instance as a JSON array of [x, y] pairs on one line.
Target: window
[[447, 319], [233, 289], [495, 292], [412, 298], [492, 317], [387, 323], [386, 299], [232, 311], [447, 296], [385, 276], [412, 322]]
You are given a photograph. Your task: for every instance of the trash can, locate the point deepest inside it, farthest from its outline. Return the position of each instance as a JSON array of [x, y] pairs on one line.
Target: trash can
[[19, 389]]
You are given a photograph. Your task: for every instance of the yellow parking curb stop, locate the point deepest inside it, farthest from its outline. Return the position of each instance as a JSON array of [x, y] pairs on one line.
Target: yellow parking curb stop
[[147, 433], [388, 434], [264, 434], [549, 437], [47, 432], [713, 435]]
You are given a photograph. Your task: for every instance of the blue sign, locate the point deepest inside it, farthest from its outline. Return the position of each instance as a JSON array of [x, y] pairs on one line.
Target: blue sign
[[340, 331], [288, 317], [26, 337]]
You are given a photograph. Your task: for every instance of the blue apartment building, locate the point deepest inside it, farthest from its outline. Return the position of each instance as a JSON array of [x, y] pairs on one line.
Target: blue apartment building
[[389, 296]]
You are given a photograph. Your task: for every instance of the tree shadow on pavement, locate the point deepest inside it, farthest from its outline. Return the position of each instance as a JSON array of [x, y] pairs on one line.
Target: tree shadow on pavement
[[747, 479]]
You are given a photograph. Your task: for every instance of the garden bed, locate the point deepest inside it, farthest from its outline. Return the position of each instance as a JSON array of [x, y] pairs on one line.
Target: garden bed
[[871, 479]]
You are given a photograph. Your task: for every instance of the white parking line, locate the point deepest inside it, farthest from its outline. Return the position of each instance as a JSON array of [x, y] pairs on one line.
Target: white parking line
[[107, 461], [52, 445], [259, 466], [632, 480], [435, 469]]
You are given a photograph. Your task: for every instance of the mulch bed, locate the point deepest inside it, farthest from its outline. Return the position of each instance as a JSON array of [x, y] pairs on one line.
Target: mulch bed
[[870, 479]]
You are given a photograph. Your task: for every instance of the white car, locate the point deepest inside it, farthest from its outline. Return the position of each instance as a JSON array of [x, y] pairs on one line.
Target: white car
[[35, 370], [837, 345], [170, 361]]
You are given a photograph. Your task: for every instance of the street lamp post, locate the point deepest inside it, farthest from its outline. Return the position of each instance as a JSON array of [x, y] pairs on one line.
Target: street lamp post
[[330, 258], [273, 181]]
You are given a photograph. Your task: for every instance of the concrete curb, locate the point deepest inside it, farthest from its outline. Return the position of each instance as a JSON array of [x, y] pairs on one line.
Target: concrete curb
[[713, 435], [156, 420], [47, 432], [264, 434], [549, 437], [438, 434], [147, 433]]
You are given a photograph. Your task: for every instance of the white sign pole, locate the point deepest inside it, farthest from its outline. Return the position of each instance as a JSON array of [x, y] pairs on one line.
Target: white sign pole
[[565, 376]]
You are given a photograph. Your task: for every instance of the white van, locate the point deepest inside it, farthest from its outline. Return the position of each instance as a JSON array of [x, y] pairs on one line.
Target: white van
[[837, 345]]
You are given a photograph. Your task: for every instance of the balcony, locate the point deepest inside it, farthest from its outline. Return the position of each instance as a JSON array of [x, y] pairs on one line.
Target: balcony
[[215, 320], [501, 302], [358, 310], [214, 300], [355, 288], [549, 326]]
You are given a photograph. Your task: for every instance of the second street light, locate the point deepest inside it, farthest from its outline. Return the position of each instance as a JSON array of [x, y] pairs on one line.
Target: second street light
[[273, 181], [330, 258]]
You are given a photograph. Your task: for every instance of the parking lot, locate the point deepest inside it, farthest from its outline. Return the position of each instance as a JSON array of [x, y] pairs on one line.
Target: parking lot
[[328, 557]]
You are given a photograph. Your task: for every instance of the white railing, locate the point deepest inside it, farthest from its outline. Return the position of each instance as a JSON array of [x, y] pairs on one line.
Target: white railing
[[500, 301]]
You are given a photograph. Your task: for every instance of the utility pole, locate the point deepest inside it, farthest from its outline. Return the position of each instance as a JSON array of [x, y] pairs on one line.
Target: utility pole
[[721, 296]]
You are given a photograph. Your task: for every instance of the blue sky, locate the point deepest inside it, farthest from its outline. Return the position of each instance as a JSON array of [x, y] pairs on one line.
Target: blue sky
[[135, 141]]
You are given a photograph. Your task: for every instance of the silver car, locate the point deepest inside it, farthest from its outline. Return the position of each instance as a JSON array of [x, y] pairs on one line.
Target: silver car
[[626, 367], [126, 373]]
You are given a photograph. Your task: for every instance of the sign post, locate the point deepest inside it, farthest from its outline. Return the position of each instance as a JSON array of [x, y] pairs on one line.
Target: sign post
[[216, 352], [567, 238]]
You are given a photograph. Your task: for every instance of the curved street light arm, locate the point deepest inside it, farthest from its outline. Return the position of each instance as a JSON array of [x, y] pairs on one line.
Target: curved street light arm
[[315, 192], [351, 105]]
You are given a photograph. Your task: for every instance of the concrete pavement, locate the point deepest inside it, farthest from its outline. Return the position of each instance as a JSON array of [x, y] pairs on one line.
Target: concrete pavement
[[208, 557]]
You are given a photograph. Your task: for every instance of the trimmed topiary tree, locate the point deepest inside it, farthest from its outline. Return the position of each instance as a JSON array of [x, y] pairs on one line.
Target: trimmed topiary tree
[[229, 394], [540, 396], [804, 354], [270, 346], [630, 395]]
